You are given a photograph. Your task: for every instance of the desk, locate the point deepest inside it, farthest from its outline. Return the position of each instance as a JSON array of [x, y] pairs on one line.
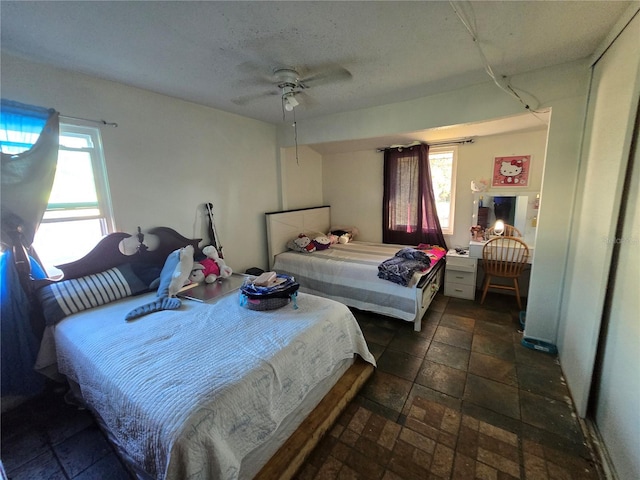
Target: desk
[[475, 250]]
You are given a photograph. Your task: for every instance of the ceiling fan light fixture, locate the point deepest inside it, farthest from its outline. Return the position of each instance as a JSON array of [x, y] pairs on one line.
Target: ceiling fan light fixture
[[290, 102]]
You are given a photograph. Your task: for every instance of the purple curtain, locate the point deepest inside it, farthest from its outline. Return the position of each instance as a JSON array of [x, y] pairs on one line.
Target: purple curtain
[[409, 208]]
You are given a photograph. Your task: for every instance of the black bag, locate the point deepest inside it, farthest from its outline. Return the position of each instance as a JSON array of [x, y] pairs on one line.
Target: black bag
[[255, 297]]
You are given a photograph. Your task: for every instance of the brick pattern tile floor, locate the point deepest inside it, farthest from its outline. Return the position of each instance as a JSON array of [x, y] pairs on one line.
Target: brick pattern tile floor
[[462, 399], [435, 442]]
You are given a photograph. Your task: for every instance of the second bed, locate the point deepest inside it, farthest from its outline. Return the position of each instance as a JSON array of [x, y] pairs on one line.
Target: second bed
[[348, 272]]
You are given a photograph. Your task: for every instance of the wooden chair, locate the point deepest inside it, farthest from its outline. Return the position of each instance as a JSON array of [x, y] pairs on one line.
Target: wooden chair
[[509, 231], [504, 257]]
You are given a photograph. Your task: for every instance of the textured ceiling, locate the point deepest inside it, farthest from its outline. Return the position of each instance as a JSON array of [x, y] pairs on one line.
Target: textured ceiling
[[213, 53]]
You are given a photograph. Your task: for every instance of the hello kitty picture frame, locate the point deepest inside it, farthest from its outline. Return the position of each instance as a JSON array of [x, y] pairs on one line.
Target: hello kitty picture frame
[[511, 171]]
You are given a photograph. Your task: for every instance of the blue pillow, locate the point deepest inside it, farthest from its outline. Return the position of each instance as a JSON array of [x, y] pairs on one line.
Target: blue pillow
[[148, 273], [63, 298]]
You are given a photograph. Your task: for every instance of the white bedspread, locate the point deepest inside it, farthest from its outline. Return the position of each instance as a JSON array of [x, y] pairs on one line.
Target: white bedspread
[[348, 273], [189, 393]]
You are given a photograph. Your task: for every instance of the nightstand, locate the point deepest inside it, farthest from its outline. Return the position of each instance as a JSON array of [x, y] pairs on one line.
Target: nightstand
[[460, 276]]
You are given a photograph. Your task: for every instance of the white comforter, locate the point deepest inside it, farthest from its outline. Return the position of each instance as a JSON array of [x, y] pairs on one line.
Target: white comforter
[[189, 393]]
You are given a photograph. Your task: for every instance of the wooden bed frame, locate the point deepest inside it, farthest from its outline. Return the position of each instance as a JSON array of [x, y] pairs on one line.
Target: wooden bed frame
[[289, 458], [284, 225]]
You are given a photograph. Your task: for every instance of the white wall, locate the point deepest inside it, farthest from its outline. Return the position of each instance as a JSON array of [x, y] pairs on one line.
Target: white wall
[[475, 161], [167, 157], [301, 178], [352, 185], [352, 182], [563, 88]]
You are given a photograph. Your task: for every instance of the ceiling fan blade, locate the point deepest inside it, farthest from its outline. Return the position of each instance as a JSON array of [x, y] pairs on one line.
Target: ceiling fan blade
[[324, 76], [306, 100], [258, 73], [243, 100]]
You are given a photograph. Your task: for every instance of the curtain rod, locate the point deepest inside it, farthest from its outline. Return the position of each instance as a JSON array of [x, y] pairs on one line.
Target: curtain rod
[[101, 122], [434, 144]]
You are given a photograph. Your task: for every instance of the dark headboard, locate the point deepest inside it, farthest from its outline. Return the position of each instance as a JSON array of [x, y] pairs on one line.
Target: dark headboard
[[106, 254]]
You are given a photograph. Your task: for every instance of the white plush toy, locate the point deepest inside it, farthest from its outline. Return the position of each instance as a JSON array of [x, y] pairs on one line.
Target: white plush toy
[[181, 271], [212, 274], [479, 186], [197, 273]]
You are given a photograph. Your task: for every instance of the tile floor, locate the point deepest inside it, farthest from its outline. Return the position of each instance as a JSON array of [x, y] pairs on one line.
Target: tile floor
[[460, 400]]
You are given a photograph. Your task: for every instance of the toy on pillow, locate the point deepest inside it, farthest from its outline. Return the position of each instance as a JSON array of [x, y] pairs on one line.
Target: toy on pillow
[[321, 241], [174, 275], [197, 273], [214, 266], [302, 243], [342, 236], [345, 234], [176, 271]]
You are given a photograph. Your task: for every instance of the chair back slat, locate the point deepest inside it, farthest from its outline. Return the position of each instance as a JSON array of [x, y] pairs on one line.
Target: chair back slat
[[509, 231], [505, 256]]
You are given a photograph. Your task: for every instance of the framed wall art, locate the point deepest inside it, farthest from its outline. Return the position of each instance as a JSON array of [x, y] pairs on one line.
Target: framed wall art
[[511, 171]]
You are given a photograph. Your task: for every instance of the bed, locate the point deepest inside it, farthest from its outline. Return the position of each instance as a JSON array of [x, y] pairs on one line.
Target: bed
[[208, 390], [348, 273]]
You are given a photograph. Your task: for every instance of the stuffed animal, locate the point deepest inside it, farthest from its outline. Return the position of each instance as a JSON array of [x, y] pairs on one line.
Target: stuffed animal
[[178, 273], [174, 275], [345, 235], [210, 270], [304, 244], [321, 241], [197, 274], [479, 186], [214, 266]]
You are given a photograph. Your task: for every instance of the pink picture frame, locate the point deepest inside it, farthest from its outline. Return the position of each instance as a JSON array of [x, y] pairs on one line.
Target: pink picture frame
[[511, 171]]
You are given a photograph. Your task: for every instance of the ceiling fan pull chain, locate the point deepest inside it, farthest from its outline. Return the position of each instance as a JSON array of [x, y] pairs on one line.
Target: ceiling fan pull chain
[[295, 136]]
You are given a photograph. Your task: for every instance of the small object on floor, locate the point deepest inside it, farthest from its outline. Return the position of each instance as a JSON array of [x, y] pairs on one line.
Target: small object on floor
[[255, 271], [523, 317], [539, 345]]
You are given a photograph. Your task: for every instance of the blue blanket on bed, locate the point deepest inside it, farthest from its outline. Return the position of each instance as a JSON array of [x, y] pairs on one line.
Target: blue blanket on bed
[[401, 267]]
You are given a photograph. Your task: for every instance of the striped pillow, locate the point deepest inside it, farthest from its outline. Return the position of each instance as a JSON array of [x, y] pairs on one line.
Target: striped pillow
[[71, 296]]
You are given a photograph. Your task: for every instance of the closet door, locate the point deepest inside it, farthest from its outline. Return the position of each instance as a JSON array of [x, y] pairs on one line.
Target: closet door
[[616, 391], [611, 114]]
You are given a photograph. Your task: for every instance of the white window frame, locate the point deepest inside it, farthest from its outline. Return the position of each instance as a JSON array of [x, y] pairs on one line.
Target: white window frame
[[96, 153], [60, 216], [454, 163]]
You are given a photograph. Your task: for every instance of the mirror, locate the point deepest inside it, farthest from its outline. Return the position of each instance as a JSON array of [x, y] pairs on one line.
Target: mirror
[[516, 208]]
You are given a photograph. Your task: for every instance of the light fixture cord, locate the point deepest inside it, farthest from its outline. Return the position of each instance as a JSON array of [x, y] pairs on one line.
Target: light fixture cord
[[295, 135], [487, 67]]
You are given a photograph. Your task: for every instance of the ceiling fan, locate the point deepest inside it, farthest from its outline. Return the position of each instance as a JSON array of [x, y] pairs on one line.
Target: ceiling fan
[[290, 85]]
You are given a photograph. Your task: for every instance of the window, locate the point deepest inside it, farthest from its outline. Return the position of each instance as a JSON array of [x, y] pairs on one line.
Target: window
[[79, 211], [443, 167]]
